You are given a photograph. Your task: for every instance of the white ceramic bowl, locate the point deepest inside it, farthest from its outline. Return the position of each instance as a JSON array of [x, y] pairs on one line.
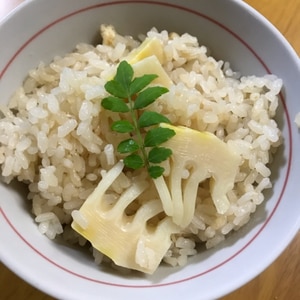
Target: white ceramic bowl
[[40, 29]]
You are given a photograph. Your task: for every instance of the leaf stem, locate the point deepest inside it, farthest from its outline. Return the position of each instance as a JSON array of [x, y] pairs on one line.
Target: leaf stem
[[140, 140]]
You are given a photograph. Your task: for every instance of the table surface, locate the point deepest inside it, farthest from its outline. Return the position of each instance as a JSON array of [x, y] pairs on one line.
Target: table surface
[[281, 280]]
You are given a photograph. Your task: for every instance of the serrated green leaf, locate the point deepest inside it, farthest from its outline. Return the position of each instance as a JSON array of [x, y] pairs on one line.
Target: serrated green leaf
[[140, 83], [157, 136], [148, 96], [155, 171], [122, 126], [134, 161], [159, 154], [124, 74], [127, 95], [128, 146], [116, 89], [149, 118], [114, 104]]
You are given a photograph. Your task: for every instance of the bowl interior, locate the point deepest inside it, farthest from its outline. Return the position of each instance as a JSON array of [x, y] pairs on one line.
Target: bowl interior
[[58, 27]]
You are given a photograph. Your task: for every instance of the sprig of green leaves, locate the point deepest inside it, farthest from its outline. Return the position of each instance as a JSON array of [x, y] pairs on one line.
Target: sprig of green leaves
[[128, 95]]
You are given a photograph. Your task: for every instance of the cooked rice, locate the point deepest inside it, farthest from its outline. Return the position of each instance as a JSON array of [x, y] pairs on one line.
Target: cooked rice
[[55, 136]]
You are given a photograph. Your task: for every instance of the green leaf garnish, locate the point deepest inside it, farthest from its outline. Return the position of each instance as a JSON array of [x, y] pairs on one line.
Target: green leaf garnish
[[140, 83], [159, 154], [155, 171], [148, 96], [128, 146], [122, 126], [124, 75], [157, 136], [134, 161], [116, 89], [129, 95], [115, 104], [149, 118]]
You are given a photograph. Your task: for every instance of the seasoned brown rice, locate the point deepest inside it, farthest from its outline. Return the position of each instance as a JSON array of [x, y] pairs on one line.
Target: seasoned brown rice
[[55, 136]]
